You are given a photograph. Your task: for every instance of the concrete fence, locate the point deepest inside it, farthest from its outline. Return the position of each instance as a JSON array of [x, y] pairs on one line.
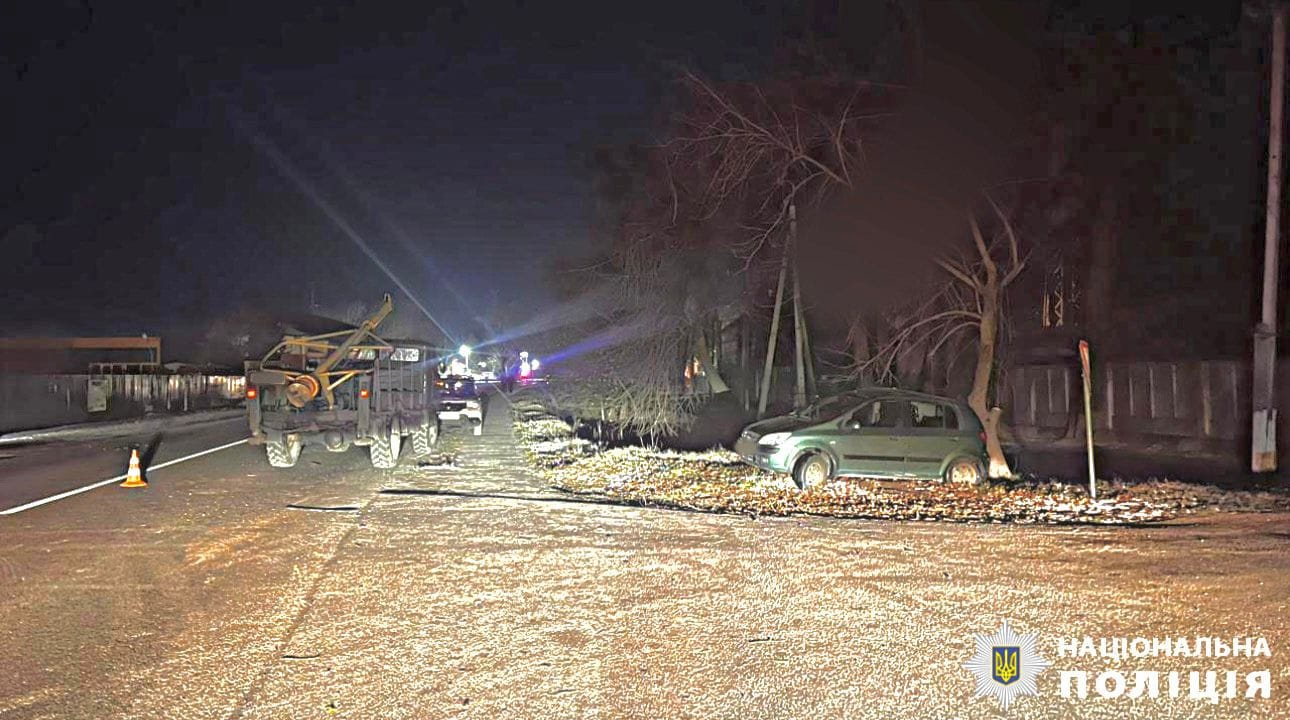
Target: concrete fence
[[1198, 400], [35, 401]]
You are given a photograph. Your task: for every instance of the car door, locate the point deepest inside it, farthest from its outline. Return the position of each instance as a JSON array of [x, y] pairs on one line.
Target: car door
[[933, 435], [869, 442]]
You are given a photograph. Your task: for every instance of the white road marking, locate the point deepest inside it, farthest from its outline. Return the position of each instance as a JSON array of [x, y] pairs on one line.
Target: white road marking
[[118, 478]]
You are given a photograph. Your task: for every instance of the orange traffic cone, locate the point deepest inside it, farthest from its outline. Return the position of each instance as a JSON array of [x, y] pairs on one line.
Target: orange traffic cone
[[134, 478]]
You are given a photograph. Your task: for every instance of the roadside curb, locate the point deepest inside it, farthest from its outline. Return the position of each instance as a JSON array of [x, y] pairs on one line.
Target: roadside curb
[[118, 428]]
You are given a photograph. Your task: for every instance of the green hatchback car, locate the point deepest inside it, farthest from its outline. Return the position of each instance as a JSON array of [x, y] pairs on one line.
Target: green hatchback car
[[878, 433]]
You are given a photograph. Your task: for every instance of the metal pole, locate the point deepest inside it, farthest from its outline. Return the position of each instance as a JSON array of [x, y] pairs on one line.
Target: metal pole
[[1088, 416], [1264, 422]]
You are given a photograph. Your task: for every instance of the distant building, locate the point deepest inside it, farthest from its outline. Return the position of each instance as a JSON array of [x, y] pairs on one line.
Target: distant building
[[80, 355]]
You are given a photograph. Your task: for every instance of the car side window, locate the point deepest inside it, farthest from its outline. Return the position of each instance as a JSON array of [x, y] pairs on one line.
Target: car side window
[[934, 415], [877, 414]]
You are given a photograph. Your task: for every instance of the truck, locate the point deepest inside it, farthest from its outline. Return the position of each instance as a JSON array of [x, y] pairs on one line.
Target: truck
[[343, 389]]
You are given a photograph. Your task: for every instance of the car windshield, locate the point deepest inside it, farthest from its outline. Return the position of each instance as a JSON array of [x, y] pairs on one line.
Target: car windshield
[[828, 407]]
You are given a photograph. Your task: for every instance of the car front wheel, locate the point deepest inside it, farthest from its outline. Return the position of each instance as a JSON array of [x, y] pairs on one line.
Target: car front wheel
[[812, 471]]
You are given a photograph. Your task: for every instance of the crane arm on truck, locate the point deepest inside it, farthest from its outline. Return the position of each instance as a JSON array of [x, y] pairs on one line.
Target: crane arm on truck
[[304, 385]]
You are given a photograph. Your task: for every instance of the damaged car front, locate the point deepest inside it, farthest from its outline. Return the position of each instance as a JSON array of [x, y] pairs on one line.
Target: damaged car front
[[771, 445]]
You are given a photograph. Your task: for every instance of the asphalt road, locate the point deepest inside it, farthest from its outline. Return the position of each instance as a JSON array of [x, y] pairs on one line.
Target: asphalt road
[[40, 470], [473, 591]]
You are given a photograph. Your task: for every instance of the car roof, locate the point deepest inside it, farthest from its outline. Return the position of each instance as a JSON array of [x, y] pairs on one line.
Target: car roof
[[870, 393]]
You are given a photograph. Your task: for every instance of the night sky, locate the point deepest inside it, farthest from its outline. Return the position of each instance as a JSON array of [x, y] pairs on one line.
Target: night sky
[[175, 162], [170, 165]]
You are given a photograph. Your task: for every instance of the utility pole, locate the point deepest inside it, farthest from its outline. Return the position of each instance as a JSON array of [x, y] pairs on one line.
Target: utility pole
[[811, 387], [774, 336], [799, 339], [1264, 423]]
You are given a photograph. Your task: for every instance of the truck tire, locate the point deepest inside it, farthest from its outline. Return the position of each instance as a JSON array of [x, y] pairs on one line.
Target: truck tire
[[424, 439], [282, 454], [384, 450]]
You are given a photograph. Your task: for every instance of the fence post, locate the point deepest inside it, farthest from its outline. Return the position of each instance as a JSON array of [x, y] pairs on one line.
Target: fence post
[[1206, 402], [1110, 397]]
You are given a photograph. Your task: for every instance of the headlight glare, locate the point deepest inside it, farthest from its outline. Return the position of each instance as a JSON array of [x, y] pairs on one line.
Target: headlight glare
[[773, 439]]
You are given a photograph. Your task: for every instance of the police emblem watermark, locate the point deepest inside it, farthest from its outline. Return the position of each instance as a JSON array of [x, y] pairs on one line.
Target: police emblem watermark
[[1006, 665]]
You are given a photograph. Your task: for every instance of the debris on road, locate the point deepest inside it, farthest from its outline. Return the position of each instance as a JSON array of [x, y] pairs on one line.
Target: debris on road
[[718, 481], [438, 459]]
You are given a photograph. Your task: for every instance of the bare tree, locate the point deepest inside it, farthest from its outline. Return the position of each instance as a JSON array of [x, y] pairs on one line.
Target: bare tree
[[767, 147], [625, 365], [970, 299], [712, 194]]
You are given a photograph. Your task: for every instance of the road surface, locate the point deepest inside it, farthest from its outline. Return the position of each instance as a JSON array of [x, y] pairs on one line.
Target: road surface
[[37, 471], [472, 591]]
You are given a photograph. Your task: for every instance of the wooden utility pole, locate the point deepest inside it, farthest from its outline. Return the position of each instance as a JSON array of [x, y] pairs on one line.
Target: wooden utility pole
[[799, 346], [1263, 457], [769, 367], [810, 358], [799, 339]]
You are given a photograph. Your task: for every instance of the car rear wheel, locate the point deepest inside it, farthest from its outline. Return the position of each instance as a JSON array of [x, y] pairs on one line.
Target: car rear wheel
[[282, 454], [812, 471], [964, 471], [384, 450]]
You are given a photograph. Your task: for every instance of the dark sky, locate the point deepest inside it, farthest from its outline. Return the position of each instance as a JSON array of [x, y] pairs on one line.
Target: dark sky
[[170, 162]]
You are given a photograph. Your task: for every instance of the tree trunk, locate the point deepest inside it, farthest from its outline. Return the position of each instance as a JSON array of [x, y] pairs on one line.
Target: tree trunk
[[978, 397], [860, 352], [716, 383]]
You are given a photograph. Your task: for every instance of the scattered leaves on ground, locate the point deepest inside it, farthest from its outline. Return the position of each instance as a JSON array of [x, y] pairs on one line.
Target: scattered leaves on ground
[[718, 481]]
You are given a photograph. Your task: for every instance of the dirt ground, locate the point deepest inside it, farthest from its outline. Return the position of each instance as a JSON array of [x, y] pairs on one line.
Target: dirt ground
[[474, 591]]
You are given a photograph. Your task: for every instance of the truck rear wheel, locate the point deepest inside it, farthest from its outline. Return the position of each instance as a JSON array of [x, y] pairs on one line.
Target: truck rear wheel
[[282, 454], [384, 450], [424, 439]]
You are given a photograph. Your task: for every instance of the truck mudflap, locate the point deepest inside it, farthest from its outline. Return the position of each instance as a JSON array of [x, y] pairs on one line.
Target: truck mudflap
[[255, 419]]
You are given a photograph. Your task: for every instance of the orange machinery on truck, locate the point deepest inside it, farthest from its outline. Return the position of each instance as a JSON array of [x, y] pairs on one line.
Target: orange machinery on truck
[[342, 389]]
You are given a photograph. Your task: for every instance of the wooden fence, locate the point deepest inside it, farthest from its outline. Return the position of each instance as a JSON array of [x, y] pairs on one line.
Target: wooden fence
[[1203, 400], [34, 401]]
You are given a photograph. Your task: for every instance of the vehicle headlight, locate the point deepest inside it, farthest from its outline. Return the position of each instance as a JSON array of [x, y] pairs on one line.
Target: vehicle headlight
[[774, 439]]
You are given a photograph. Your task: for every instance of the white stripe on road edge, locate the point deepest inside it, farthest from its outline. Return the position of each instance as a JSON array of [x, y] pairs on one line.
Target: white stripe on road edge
[[118, 478]]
